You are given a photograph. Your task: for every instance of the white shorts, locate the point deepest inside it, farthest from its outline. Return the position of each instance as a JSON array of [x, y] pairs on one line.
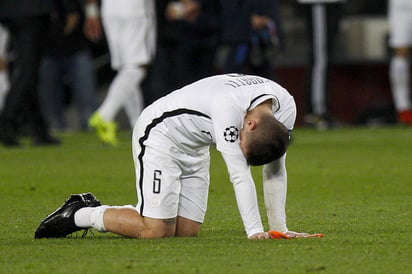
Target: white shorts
[[170, 182], [400, 23], [131, 40]]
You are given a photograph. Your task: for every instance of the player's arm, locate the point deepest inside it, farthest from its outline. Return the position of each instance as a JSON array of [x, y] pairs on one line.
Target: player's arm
[[275, 188], [72, 15], [92, 26], [246, 197], [227, 115], [274, 191]]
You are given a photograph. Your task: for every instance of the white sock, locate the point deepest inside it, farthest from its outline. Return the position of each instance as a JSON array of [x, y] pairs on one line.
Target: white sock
[[134, 106], [4, 87], [87, 217], [399, 75], [122, 92]]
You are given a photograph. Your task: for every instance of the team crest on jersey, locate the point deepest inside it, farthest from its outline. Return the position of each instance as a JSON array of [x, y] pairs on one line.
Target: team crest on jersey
[[231, 134]]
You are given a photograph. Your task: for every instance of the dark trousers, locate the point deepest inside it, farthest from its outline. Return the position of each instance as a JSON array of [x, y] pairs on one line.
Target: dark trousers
[[27, 38], [322, 25], [194, 63], [236, 58], [162, 75]]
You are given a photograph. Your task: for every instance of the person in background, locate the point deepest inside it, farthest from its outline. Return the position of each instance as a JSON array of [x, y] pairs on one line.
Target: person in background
[[67, 63], [322, 21], [4, 77], [162, 75], [251, 38], [400, 23], [28, 23], [197, 37], [130, 30]]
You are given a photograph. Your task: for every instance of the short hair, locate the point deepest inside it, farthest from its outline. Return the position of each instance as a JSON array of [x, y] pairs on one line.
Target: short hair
[[268, 142]]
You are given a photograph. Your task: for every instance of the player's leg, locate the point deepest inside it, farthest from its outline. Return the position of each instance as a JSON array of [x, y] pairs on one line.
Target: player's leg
[[51, 93], [400, 79], [400, 23], [4, 78], [104, 126], [125, 92], [83, 211], [135, 103], [158, 187], [83, 85], [123, 87], [186, 227], [193, 194], [320, 59], [316, 21], [126, 221], [137, 49], [132, 53], [399, 71]]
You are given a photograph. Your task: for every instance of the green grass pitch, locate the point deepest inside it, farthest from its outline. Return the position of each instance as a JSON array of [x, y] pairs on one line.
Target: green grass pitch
[[353, 184]]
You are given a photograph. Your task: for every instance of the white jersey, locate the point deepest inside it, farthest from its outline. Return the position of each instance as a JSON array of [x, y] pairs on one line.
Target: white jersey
[[212, 111], [127, 8]]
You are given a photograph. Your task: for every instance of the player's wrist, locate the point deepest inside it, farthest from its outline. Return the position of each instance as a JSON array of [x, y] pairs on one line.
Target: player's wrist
[[92, 10], [254, 231], [280, 228]]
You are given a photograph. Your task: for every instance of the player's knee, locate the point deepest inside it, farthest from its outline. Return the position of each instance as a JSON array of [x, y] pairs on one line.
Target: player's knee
[[187, 228], [158, 228], [187, 233]]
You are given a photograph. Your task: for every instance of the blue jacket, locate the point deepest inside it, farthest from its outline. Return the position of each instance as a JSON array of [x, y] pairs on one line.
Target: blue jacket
[[236, 27]]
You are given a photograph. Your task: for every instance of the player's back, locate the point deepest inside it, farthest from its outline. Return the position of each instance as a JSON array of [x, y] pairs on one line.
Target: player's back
[[190, 116], [207, 93]]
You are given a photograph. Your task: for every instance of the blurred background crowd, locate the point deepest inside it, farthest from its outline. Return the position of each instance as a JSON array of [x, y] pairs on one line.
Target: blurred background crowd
[[334, 57]]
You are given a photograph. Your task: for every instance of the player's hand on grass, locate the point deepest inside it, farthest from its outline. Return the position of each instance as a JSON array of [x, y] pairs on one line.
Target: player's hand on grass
[[260, 236], [292, 235]]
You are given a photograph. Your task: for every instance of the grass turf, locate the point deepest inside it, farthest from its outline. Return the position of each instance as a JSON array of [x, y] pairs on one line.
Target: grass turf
[[354, 185]]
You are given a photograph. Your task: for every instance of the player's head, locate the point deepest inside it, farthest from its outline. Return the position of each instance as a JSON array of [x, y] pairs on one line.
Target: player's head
[[263, 140]]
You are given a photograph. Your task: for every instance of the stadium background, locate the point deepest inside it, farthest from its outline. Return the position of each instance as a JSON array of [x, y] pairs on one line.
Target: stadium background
[[360, 91]]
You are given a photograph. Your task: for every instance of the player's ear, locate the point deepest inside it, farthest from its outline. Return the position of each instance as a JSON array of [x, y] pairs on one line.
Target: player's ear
[[251, 124]]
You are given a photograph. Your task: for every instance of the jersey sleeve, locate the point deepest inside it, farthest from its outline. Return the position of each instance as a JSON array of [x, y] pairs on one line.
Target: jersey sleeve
[[228, 120], [245, 191], [274, 190]]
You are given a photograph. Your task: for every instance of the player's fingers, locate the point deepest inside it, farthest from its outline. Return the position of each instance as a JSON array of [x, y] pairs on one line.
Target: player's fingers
[[316, 235], [293, 234], [278, 235]]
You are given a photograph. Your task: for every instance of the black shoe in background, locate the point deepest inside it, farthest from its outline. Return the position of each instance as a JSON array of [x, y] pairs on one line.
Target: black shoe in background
[[46, 140], [8, 135]]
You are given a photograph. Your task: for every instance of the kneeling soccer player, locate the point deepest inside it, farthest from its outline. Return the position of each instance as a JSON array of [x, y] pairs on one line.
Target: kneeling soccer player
[[249, 118]]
